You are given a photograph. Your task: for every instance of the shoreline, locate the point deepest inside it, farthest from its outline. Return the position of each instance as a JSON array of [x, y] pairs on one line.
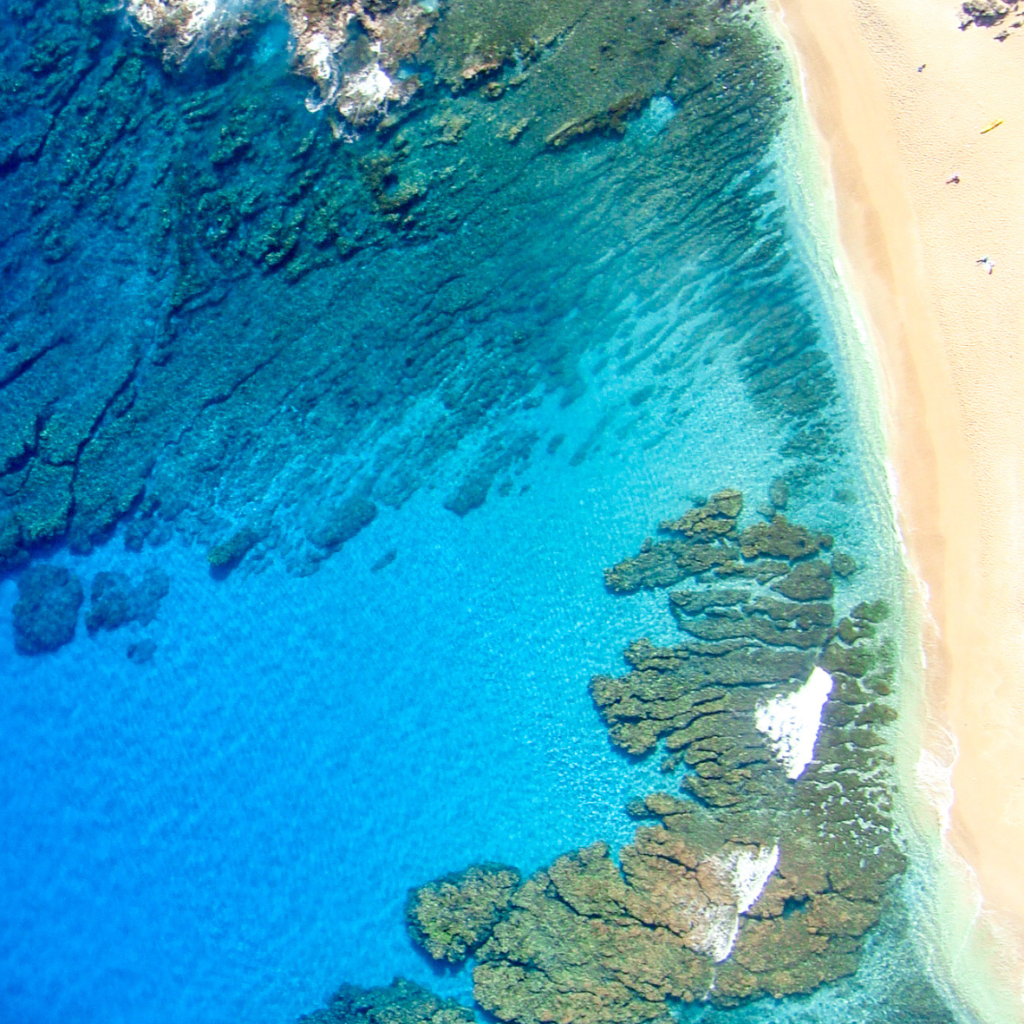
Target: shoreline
[[943, 334]]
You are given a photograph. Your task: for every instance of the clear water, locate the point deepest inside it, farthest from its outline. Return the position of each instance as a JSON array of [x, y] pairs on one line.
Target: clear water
[[229, 832]]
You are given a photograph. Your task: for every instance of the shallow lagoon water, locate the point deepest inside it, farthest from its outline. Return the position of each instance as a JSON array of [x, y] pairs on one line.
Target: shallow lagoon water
[[229, 831]]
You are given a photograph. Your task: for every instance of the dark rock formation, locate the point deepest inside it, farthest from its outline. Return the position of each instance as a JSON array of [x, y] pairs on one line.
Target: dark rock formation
[[715, 519], [843, 565], [401, 1002], [116, 602], [46, 612], [470, 494], [589, 943], [451, 917], [810, 581], [583, 944], [986, 13], [778, 494], [385, 560], [710, 541]]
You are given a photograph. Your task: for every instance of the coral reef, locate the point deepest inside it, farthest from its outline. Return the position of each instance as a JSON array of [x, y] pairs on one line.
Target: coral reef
[[401, 1002], [763, 878], [46, 611], [115, 601], [451, 917]]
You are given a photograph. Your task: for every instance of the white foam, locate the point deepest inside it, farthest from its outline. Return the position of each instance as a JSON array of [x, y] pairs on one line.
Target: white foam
[[792, 722], [748, 874], [720, 926], [190, 18], [936, 779], [371, 85], [319, 48]]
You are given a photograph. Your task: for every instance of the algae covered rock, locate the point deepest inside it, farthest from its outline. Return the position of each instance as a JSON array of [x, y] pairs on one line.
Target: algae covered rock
[[335, 525], [401, 1002], [716, 518], [808, 581], [451, 917], [576, 946], [46, 612], [770, 881], [782, 539], [227, 554]]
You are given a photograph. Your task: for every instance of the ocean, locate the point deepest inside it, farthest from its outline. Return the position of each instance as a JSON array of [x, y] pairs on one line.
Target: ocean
[[355, 407]]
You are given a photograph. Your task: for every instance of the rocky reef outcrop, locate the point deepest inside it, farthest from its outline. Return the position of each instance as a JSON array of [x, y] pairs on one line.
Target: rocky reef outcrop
[[452, 917], [986, 13], [336, 524], [401, 1002], [352, 51], [46, 612], [224, 556], [764, 874]]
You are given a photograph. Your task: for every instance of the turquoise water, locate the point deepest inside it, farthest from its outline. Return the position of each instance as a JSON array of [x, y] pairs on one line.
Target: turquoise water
[[595, 340]]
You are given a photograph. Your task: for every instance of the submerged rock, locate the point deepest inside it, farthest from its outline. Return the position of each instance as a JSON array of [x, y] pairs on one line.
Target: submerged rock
[[843, 565], [379, 302], [46, 612], [226, 555], [451, 917], [141, 653], [116, 602], [336, 524], [385, 560], [716, 518], [809, 581], [782, 539], [401, 1002], [778, 493]]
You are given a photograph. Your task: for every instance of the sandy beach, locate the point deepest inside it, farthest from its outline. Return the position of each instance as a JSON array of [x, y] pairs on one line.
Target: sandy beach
[[899, 95]]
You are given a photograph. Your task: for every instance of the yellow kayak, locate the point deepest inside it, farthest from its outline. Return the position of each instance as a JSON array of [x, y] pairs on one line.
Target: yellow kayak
[[993, 124]]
